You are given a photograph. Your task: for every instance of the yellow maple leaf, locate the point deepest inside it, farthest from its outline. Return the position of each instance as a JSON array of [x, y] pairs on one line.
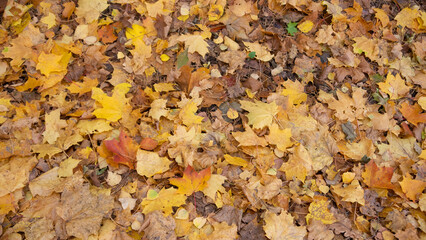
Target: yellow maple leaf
[[192, 181], [195, 43], [306, 26], [394, 86], [282, 227], [53, 63], [249, 138], [351, 193], [93, 126], [407, 16], [262, 52], [135, 32], [278, 137], [53, 125], [49, 20], [382, 16], [166, 200], [215, 12], [411, 187], [214, 185], [260, 114], [318, 210], [188, 116], [66, 167], [112, 106], [83, 87], [150, 163], [369, 47], [158, 109], [294, 91], [90, 10]]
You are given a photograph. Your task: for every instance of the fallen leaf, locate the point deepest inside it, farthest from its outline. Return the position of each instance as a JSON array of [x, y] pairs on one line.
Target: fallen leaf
[[280, 227], [411, 187], [112, 106], [318, 210], [166, 200], [149, 163], [378, 177], [260, 114], [124, 150], [191, 181], [413, 113]]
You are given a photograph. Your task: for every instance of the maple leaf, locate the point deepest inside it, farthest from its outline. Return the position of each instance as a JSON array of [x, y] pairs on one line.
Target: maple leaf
[[192, 181], [214, 185], [165, 201], [83, 87], [260, 114], [53, 63], [294, 91], [411, 187], [413, 113], [291, 28], [351, 193], [90, 10], [280, 138], [378, 177], [282, 227], [124, 150], [195, 43], [394, 86], [53, 125], [249, 138], [367, 46], [150, 163], [262, 52], [112, 106], [318, 210]]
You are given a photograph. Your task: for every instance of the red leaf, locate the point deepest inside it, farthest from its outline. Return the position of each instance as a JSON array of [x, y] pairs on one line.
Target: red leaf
[[124, 150]]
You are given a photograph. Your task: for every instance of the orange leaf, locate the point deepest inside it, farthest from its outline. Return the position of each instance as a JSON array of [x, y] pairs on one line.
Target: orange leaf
[[412, 113], [378, 177], [412, 187], [124, 150], [106, 34], [192, 181]]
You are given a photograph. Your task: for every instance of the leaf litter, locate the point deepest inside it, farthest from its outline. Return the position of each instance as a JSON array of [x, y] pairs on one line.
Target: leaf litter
[[212, 119]]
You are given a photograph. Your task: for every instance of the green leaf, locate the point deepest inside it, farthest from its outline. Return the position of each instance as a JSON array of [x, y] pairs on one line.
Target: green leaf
[[291, 28], [252, 55], [182, 59]]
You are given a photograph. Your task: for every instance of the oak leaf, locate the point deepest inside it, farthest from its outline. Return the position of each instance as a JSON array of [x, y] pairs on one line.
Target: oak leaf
[[192, 181]]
